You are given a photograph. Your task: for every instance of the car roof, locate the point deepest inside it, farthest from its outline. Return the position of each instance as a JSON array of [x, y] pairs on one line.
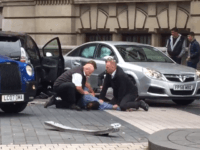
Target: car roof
[[118, 43], [12, 34]]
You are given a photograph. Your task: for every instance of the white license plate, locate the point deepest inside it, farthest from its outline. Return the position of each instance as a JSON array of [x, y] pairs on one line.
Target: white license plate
[[183, 87], [13, 98]]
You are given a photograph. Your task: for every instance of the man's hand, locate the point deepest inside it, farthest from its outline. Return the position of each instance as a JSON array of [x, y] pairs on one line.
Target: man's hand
[[93, 94], [101, 101], [86, 92], [115, 106], [101, 87], [188, 59]]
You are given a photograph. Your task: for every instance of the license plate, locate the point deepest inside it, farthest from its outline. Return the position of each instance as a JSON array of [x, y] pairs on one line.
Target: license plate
[[183, 87], [13, 98]]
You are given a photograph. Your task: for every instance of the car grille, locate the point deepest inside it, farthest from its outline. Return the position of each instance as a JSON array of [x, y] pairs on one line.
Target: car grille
[[177, 78], [181, 92], [10, 77]]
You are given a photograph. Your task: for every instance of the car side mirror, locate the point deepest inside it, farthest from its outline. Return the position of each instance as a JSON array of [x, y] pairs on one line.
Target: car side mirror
[[48, 54]]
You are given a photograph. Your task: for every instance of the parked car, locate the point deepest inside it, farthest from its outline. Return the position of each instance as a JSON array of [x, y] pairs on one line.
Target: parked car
[[18, 85], [156, 75], [21, 47]]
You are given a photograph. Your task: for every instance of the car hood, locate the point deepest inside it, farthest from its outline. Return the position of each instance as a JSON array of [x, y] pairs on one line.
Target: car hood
[[166, 68], [5, 59]]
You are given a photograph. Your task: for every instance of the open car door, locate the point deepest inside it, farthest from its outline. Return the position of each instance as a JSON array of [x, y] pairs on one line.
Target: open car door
[[52, 61]]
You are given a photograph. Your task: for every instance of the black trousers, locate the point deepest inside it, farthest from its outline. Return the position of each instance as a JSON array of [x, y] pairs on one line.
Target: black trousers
[[128, 101], [68, 93]]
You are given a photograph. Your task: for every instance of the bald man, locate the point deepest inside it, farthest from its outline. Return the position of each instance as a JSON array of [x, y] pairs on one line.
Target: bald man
[[124, 91], [69, 86]]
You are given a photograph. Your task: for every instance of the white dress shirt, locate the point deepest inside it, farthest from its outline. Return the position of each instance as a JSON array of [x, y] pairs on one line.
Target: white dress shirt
[[77, 79]]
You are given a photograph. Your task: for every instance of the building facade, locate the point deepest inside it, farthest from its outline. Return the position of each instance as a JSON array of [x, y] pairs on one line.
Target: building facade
[[79, 21]]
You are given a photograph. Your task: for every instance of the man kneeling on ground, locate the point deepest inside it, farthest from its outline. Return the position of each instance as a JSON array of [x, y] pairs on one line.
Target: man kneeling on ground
[[124, 91], [69, 86]]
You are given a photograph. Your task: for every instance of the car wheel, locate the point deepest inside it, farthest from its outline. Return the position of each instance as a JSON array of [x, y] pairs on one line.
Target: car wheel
[[183, 102], [14, 108]]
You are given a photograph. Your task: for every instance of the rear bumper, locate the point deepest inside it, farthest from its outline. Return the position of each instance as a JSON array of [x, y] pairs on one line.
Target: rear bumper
[[29, 95]]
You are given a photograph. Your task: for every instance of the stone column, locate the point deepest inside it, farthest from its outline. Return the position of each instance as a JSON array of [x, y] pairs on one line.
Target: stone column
[[195, 18], [80, 39], [116, 37], [155, 39]]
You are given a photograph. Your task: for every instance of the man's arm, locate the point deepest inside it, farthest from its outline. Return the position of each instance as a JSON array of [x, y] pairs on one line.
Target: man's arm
[[197, 49], [105, 105], [106, 85], [183, 50], [100, 78], [167, 47], [80, 90], [87, 84]]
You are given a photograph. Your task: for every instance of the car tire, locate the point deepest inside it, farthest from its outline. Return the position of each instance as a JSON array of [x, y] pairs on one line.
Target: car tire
[[183, 102], [14, 108]]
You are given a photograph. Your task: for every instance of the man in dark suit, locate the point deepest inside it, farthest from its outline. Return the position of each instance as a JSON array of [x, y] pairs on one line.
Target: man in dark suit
[[124, 91]]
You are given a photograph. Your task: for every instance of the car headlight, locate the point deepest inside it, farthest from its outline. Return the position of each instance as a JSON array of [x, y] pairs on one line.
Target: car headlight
[[153, 74], [198, 74], [29, 70]]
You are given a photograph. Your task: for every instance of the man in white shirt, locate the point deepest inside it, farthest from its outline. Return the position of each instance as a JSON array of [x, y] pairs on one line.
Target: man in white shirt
[[69, 86]]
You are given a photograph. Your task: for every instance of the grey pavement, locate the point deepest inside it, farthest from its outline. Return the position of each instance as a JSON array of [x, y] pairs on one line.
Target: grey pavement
[[28, 127]]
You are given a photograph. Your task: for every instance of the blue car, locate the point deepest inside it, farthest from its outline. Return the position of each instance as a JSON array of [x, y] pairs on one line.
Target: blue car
[[25, 70], [17, 85]]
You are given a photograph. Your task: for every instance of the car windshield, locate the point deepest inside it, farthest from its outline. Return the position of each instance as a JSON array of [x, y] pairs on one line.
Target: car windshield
[[8, 46], [133, 53]]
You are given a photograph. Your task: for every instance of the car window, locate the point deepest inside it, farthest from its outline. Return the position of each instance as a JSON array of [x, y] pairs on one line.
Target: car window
[[104, 51], [10, 46], [32, 49], [88, 52], [133, 53], [52, 48], [75, 53]]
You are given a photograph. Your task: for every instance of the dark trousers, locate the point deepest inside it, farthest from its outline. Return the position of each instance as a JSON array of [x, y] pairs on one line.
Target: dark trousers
[[68, 93], [190, 64], [177, 60], [128, 101]]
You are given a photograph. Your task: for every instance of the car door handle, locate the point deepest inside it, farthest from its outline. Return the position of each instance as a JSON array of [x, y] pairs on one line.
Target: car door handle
[[77, 63]]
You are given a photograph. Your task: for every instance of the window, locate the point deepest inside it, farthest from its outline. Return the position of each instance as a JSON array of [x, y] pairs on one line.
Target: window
[[98, 37], [104, 51], [52, 48], [133, 53], [88, 52], [75, 52], [32, 49], [140, 38]]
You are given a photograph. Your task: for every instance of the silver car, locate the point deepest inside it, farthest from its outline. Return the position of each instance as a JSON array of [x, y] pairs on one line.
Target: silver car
[[155, 74]]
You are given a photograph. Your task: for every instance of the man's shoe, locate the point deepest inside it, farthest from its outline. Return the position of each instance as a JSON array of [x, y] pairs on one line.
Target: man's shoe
[[50, 102], [144, 105], [75, 107]]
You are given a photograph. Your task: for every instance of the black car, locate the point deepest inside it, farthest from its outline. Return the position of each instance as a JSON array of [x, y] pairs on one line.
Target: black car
[[47, 64]]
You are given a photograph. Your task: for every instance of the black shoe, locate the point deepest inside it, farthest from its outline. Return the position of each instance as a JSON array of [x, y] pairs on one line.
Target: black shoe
[[75, 107], [144, 105], [50, 102]]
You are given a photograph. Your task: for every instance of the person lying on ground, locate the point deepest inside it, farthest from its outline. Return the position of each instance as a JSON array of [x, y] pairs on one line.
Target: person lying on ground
[[90, 102]]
